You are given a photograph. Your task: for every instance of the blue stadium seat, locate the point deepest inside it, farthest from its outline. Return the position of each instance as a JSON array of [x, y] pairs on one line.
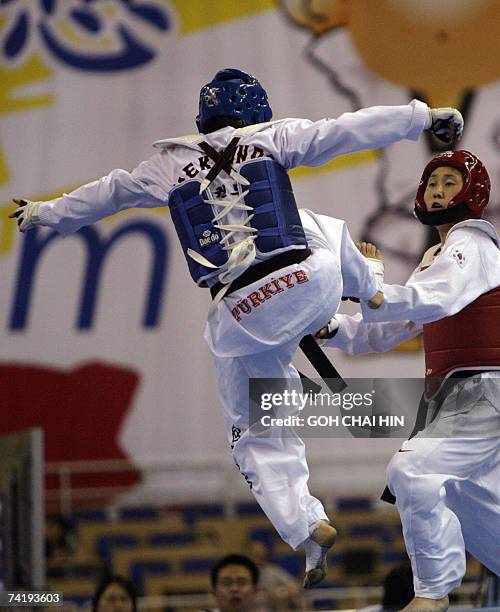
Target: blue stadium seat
[[75, 569], [140, 569], [394, 556], [390, 533], [328, 585], [80, 600], [335, 558], [165, 539], [107, 543], [366, 531], [249, 509], [268, 535], [357, 561], [325, 604], [139, 514], [356, 504], [198, 564], [293, 563], [89, 516], [200, 511]]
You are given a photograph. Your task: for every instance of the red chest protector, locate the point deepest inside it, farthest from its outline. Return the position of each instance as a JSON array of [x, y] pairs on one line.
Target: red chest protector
[[469, 339]]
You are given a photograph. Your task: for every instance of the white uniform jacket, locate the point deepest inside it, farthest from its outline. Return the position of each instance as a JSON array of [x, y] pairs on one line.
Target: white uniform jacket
[[446, 281], [291, 142]]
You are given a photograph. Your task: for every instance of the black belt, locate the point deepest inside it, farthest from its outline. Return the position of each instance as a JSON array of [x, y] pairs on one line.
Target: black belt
[[323, 366], [258, 271], [308, 344]]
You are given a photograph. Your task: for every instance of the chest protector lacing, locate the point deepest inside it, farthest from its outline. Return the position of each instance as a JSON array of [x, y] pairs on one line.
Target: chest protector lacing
[[242, 252], [222, 236]]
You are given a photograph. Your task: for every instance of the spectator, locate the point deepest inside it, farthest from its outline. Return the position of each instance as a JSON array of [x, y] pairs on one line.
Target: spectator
[[115, 594], [279, 589], [234, 582], [60, 542], [398, 590]]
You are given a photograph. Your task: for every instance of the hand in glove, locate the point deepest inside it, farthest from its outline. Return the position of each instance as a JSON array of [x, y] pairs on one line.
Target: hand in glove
[[26, 214], [447, 124], [329, 331]]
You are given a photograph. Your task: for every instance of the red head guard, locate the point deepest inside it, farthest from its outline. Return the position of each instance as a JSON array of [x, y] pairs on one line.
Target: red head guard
[[470, 202]]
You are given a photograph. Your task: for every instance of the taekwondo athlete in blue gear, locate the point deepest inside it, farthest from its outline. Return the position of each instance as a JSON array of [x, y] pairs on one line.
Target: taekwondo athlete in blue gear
[[276, 273], [235, 98]]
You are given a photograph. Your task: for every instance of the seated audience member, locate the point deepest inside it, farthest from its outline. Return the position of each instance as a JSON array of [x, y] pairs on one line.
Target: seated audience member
[[234, 583], [60, 542], [398, 590], [115, 594], [278, 588]]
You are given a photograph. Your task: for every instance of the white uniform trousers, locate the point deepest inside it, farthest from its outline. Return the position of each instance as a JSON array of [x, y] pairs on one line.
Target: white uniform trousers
[[448, 493], [263, 346], [276, 465]]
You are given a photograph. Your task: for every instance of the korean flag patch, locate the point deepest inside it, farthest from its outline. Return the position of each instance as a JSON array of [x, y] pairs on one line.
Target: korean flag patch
[[458, 256]]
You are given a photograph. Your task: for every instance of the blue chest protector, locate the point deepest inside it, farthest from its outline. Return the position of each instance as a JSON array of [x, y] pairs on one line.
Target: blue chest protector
[[276, 217]]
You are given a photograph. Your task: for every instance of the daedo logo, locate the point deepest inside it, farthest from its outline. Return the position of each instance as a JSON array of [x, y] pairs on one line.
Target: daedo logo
[[209, 237]]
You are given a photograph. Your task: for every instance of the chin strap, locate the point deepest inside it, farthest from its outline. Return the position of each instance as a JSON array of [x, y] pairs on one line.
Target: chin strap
[[441, 217]]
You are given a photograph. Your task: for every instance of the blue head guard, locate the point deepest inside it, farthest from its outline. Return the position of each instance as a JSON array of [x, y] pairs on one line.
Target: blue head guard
[[235, 95]]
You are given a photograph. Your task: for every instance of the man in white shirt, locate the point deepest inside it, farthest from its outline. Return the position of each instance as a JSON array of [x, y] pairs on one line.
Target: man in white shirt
[[446, 479], [275, 273]]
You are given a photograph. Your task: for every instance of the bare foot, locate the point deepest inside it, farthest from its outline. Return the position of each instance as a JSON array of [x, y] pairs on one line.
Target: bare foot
[[316, 548], [422, 604]]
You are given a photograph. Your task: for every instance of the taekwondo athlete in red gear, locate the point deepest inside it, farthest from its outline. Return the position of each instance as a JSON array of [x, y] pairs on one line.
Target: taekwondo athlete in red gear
[[446, 479], [275, 272]]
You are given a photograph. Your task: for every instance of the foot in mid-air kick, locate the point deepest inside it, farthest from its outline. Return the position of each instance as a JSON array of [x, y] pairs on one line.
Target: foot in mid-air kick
[[322, 538]]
